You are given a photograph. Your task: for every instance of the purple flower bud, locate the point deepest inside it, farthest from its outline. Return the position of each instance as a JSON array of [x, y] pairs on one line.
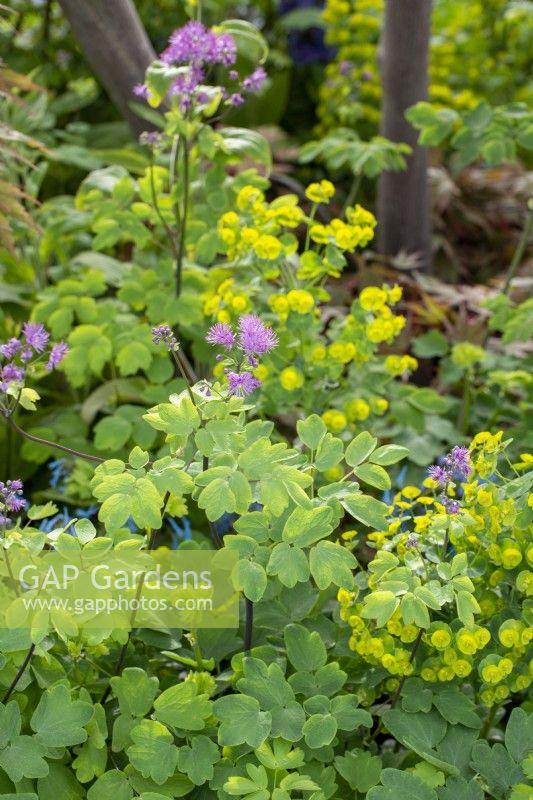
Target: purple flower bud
[[163, 335], [451, 506], [140, 90], [11, 499], [255, 81], [236, 99], [26, 354]]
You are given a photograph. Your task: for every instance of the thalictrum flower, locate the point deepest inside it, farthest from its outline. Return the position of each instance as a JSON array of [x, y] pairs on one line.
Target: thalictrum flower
[[221, 334], [439, 474], [242, 384], [9, 374], [10, 348], [254, 337], [57, 354], [458, 460], [195, 44], [35, 335]]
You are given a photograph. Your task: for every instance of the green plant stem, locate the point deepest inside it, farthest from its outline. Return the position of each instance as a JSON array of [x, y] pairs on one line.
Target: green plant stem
[[215, 536], [488, 722], [20, 672], [309, 224], [183, 218], [174, 153], [248, 624], [464, 412], [197, 652], [183, 372], [165, 224], [124, 649], [519, 252], [39, 440], [353, 191]]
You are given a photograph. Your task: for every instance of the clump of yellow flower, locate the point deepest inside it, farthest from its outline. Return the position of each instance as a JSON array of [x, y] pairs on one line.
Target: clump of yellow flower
[[382, 325], [346, 235], [467, 355], [225, 301], [334, 420], [342, 352], [321, 192], [357, 410], [399, 365], [267, 247], [301, 301], [291, 379]]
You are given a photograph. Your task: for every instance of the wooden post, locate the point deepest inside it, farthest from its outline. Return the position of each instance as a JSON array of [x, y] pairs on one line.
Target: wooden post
[[404, 213], [116, 46]]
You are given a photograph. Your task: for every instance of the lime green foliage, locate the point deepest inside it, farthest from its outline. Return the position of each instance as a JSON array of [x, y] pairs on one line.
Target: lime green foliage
[[486, 133], [426, 639], [465, 59], [389, 651]]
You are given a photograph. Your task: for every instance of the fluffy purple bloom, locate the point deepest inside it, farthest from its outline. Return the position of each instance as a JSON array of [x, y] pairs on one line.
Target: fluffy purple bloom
[[233, 75], [221, 334], [140, 90], [36, 336], [26, 354], [11, 347], [10, 373], [345, 67], [255, 81], [236, 99], [225, 49], [439, 474], [243, 383], [195, 44], [254, 337], [458, 460], [56, 356]]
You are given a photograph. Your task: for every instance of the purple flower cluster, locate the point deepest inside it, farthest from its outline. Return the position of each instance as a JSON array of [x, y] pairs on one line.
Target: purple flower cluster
[[197, 49], [18, 352], [455, 464], [163, 334], [194, 44], [253, 339], [11, 499], [242, 383]]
